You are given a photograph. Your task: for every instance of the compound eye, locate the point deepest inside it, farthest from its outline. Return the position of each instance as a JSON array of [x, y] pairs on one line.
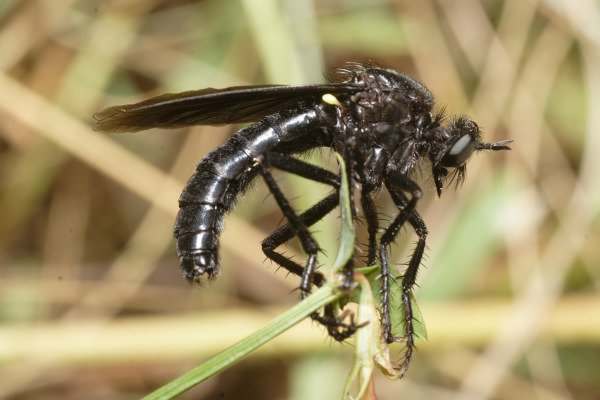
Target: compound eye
[[459, 152]]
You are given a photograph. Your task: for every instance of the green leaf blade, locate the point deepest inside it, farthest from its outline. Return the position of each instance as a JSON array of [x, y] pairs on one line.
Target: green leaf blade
[[347, 233], [243, 348]]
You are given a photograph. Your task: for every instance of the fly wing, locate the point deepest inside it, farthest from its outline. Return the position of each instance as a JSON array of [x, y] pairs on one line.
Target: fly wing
[[211, 106]]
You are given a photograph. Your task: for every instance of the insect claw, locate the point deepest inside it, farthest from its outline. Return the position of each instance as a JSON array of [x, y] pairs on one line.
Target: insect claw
[[345, 314]]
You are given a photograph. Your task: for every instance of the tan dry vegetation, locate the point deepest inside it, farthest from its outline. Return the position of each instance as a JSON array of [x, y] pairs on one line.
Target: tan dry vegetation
[[91, 301]]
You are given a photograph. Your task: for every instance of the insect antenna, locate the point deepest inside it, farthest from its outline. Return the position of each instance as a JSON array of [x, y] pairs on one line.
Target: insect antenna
[[500, 145]]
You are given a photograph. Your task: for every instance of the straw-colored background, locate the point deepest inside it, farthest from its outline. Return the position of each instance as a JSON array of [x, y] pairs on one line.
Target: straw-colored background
[[92, 304]]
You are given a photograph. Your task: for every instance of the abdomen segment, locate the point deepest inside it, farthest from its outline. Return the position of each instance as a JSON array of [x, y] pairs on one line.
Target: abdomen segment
[[218, 179]]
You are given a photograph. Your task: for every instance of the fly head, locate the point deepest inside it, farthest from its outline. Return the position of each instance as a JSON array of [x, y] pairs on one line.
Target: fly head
[[453, 145]]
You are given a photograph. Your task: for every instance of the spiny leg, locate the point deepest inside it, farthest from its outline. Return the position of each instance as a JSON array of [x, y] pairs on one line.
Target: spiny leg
[[286, 232], [410, 275], [301, 168], [309, 245], [397, 184], [309, 171], [370, 213], [335, 326]]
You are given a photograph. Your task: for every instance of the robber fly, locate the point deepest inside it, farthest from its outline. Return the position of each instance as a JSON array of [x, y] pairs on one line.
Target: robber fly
[[382, 123]]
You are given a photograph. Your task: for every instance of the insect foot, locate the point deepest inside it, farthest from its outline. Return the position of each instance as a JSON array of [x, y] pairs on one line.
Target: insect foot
[[345, 281], [336, 327]]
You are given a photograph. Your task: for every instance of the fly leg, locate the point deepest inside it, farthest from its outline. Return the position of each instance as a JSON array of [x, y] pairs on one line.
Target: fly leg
[[336, 328], [397, 188], [400, 183], [286, 232], [290, 164], [370, 214], [410, 275], [335, 325], [301, 168]]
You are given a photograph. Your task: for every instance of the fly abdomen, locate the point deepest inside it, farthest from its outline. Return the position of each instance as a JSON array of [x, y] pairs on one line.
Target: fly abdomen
[[218, 179], [197, 230], [203, 204]]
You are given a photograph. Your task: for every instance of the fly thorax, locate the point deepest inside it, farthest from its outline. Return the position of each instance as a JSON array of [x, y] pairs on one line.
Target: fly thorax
[[374, 167]]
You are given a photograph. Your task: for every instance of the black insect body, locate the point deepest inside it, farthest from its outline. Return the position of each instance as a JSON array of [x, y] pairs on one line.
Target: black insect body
[[379, 120]]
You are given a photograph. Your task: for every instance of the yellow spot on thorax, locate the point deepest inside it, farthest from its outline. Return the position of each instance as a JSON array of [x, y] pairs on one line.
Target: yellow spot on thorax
[[331, 99]]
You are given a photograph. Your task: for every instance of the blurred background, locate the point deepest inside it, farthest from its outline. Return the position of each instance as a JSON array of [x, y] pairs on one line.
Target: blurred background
[[92, 302]]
